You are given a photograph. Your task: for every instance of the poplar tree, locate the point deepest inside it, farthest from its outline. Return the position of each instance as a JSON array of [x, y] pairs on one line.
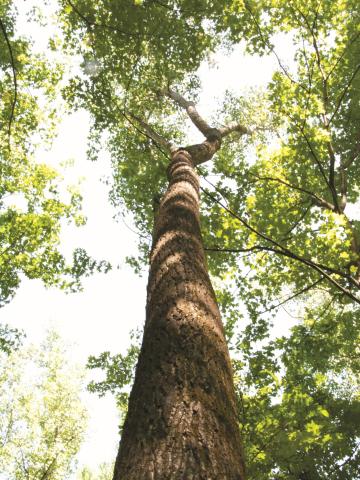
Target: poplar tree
[[282, 216]]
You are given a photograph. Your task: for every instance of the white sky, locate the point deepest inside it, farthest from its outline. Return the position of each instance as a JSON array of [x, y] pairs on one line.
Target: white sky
[[101, 317]]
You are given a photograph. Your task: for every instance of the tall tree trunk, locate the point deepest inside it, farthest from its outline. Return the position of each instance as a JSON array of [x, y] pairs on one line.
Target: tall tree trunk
[[182, 421]]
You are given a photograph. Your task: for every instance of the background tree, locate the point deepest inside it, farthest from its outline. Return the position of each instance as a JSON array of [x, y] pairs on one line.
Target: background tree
[[32, 201], [103, 472], [42, 418]]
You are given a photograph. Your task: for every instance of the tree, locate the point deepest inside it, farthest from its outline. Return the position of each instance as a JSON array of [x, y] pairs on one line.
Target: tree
[[195, 382], [42, 418], [286, 211]]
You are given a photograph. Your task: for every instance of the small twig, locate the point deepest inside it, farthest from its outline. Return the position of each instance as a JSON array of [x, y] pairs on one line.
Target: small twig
[[145, 134], [272, 49], [344, 93], [296, 294], [318, 200], [302, 216], [354, 154], [352, 40]]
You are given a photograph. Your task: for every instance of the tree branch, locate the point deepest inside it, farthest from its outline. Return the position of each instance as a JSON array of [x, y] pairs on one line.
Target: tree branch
[[272, 50], [341, 98], [302, 216], [151, 133], [296, 294], [354, 154], [12, 114], [234, 127], [286, 252], [318, 200], [348, 460], [352, 40], [321, 168], [325, 100], [199, 122], [212, 134]]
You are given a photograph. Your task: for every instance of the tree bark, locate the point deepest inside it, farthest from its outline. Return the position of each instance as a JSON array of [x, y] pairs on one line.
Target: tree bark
[[182, 420]]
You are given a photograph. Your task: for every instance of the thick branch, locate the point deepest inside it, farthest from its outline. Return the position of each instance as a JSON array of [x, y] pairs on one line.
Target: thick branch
[[212, 134], [204, 151], [234, 127]]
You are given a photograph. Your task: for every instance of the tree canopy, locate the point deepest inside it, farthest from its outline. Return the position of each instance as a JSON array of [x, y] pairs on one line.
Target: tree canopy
[[280, 206]]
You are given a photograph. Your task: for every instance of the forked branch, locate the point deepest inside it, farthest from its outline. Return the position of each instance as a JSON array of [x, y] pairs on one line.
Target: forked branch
[[201, 124], [201, 152]]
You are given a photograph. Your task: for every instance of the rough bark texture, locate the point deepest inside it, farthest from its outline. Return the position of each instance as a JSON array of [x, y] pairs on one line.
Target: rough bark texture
[[182, 421]]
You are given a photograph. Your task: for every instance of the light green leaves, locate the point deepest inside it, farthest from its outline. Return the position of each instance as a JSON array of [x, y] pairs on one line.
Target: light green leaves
[[31, 205], [42, 419]]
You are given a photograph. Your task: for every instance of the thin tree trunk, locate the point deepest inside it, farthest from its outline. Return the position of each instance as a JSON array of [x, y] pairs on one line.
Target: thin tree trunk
[[182, 421]]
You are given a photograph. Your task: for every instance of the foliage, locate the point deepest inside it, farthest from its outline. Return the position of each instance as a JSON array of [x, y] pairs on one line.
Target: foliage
[[104, 472], [42, 419], [10, 338], [32, 204], [119, 370], [299, 398]]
